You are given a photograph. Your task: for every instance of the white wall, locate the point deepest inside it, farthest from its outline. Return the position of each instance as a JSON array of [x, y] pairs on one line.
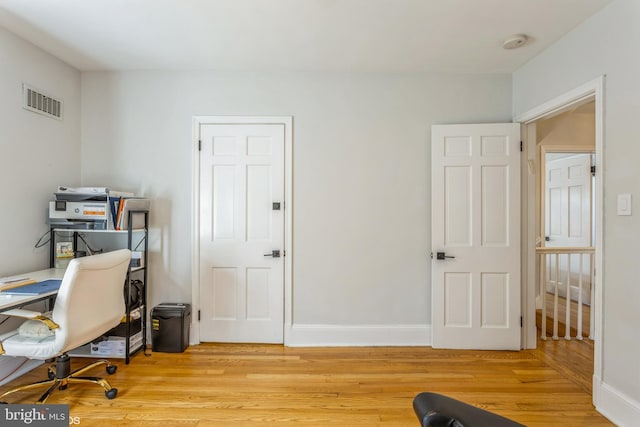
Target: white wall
[[607, 44], [37, 153], [361, 175]]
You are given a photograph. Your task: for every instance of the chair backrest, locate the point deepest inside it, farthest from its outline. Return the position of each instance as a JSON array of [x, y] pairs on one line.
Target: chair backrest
[[90, 301]]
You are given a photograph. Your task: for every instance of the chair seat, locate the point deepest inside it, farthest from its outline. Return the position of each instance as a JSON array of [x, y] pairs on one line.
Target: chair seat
[[41, 348]]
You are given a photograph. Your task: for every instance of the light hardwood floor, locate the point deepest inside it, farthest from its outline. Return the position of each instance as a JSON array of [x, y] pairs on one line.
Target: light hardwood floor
[[238, 385]]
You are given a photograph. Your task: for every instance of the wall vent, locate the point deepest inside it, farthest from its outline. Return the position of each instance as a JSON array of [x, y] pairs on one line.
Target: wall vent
[[38, 102]]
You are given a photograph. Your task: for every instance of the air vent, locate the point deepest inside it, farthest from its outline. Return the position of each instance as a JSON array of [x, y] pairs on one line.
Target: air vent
[[38, 102]]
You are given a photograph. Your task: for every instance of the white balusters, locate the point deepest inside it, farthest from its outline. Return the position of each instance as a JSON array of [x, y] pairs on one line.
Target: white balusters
[[552, 267], [579, 322], [542, 259], [567, 321], [556, 289]]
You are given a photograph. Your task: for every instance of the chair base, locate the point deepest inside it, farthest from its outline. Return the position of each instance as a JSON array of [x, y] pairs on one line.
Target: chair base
[[60, 376]]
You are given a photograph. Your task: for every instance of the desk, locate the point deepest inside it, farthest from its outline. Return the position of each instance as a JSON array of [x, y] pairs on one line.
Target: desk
[[13, 367], [7, 302]]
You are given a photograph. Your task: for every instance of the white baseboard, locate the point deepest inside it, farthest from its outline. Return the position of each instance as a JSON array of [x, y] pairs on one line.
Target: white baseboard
[[619, 408], [357, 335]]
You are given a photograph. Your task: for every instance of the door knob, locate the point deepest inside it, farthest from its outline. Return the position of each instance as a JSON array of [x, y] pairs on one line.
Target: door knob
[[274, 253], [442, 255]]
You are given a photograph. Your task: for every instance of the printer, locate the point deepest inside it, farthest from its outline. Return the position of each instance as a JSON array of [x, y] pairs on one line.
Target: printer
[[80, 207]]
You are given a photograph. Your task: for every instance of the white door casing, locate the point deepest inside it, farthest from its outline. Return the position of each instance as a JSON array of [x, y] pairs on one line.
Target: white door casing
[[241, 183], [476, 220], [590, 91]]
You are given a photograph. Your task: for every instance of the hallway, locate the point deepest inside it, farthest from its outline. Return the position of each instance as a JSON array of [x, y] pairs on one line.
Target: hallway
[[572, 358]]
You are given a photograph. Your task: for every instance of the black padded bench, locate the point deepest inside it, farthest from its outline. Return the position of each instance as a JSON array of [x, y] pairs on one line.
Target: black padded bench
[[436, 410]]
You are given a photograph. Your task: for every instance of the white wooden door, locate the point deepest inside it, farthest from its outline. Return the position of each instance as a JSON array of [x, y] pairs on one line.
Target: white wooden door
[[568, 200], [568, 207], [241, 228], [476, 227]]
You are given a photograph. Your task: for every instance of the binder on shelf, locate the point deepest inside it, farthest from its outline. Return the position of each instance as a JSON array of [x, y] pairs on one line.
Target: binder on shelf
[[119, 216], [132, 204], [114, 207]]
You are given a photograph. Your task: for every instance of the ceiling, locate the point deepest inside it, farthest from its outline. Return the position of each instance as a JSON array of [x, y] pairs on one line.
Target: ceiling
[[409, 36]]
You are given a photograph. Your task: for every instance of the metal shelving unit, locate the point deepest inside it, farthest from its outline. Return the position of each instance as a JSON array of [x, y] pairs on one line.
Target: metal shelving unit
[[134, 273]]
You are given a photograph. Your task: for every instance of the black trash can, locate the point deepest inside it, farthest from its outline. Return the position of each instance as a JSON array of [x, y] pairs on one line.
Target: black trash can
[[170, 327]]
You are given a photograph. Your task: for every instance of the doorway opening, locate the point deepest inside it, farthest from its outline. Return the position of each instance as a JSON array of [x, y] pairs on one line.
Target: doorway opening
[[565, 241], [580, 102]]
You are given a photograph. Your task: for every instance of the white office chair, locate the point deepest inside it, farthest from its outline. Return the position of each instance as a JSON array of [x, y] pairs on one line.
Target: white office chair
[[89, 303]]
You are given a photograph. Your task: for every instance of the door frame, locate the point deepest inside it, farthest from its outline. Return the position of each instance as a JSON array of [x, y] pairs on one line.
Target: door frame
[[287, 122], [593, 89]]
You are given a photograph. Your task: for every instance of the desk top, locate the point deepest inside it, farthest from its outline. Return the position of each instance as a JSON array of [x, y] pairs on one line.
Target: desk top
[[12, 301]]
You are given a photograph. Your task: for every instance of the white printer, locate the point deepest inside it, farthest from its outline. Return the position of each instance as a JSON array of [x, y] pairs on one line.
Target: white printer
[[80, 207]]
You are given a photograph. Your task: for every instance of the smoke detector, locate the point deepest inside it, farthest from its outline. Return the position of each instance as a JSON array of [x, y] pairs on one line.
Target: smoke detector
[[515, 41]]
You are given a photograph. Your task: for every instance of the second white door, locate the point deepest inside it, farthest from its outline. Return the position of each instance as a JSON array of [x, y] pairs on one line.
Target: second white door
[[242, 233], [476, 236], [568, 199]]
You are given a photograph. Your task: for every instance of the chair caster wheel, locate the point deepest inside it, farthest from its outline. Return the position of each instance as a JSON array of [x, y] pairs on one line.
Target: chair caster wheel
[[111, 394], [111, 369], [63, 387], [51, 375]]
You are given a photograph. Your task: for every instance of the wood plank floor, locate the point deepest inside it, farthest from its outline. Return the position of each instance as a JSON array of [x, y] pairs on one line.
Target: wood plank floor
[[573, 358], [238, 385]]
